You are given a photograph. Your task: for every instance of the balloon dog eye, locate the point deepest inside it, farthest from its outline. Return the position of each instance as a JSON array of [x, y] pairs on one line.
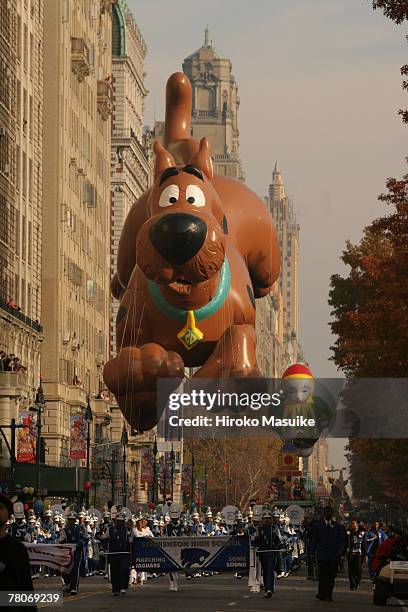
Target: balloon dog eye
[[195, 196], [169, 196]]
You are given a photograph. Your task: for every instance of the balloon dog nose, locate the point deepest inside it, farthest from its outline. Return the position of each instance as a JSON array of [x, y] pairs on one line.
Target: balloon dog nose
[[178, 237]]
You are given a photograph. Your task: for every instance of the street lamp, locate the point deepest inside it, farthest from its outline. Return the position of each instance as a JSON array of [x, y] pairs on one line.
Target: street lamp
[[154, 497], [124, 441], [11, 447], [172, 456], [192, 477], [88, 420], [39, 407]]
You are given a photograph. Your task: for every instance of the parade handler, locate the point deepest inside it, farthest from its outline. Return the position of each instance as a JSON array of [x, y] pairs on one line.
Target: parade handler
[[328, 545]]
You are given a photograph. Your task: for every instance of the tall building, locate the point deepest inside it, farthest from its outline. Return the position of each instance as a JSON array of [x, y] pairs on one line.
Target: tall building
[[21, 141], [283, 214], [284, 348], [318, 461], [131, 153], [215, 107], [131, 175], [78, 102]]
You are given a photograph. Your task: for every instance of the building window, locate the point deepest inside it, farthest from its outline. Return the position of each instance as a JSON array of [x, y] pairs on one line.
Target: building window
[[16, 289], [31, 54], [23, 295], [23, 238], [25, 120], [29, 300], [19, 38], [17, 233], [30, 179], [25, 44], [30, 118], [24, 186], [29, 242]]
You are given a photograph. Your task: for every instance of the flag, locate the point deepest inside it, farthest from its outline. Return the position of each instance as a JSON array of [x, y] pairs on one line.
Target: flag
[[78, 437], [27, 437]]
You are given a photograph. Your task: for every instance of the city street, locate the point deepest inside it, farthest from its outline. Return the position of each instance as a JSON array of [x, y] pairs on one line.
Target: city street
[[217, 594]]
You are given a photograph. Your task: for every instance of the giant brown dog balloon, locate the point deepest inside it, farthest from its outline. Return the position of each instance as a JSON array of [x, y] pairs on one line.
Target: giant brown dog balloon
[[196, 250]]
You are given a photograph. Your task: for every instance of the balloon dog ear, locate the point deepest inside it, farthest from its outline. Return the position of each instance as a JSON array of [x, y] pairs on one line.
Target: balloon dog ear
[[202, 159], [163, 159]]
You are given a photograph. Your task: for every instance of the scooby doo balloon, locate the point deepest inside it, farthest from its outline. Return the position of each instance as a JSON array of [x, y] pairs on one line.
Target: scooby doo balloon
[[196, 250]]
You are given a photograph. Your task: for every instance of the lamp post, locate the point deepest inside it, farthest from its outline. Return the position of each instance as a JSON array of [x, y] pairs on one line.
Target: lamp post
[[124, 441], [205, 484], [192, 476], [39, 406], [88, 420], [154, 488], [164, 482], [11, 447], [172, 456]]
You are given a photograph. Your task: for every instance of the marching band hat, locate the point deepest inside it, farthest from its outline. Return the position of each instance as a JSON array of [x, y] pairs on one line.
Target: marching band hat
[[72, 515], [267, 514], [18, 510]]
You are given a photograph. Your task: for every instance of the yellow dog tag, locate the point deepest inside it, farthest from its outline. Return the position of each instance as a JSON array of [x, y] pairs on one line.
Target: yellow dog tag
[[190, 335]]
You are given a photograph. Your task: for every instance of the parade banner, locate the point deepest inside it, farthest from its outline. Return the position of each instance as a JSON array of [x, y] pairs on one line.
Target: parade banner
[[215, 554], [186, 473], [78, 437], [27, 437], [57, 556], [146, 467]]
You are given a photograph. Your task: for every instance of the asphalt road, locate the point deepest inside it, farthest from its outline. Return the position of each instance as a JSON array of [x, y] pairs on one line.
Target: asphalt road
[[221, 593]]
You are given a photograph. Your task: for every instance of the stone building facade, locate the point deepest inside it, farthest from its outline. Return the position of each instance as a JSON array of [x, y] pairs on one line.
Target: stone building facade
[[131, 152], [21, 130], [318, 462], [78, 103], [278, 337], [131, 174], [215, 107]]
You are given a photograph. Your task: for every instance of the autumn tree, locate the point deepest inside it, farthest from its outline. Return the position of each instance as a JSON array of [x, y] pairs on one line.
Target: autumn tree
[[397, 10], [237, 469], [370, 310], [370, 305]]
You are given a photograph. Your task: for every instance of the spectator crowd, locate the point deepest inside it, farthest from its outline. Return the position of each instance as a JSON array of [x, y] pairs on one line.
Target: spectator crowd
[[11, 363]]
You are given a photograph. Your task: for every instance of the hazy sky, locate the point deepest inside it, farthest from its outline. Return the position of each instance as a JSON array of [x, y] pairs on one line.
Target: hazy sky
[[320, 87]]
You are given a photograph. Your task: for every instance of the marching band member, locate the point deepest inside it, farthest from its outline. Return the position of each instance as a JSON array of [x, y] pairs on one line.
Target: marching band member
[[18, 529], [269, 542], [173, 529], [103, 543], [118, 539], [73, 534]]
